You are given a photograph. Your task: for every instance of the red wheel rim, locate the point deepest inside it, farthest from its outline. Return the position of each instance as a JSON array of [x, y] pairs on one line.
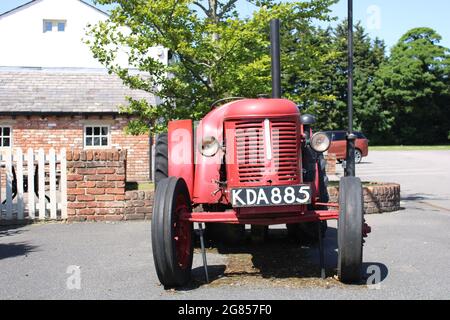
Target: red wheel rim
[[182, 234]]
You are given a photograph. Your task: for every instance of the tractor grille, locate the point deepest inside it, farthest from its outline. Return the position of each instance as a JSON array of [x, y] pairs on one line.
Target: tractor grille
[[285, 149], [252, 161], [250, 151]]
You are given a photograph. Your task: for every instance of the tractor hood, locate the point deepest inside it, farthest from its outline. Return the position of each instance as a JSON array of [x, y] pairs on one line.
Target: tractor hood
[[259, 108], [207, 171], [212, 123]]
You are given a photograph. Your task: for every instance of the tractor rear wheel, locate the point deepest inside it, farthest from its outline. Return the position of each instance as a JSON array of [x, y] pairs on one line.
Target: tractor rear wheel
[[350, 230], [161, 158], [172, 239]]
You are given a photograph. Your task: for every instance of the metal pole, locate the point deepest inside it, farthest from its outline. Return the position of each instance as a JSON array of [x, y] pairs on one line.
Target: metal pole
[[321, 252], [350, 163], [275, 54], [202, 244]]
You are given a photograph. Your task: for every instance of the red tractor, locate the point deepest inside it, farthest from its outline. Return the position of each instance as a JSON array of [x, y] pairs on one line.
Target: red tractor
[[249, 162]]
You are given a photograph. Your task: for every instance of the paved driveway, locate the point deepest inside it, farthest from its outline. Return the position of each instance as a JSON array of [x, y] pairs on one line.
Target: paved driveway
[[410, 248]]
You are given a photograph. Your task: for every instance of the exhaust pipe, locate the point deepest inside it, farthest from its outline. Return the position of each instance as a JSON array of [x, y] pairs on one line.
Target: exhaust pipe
[[275, 54]]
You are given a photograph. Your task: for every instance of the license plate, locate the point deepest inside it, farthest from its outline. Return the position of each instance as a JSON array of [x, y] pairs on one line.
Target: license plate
[[271, 196]]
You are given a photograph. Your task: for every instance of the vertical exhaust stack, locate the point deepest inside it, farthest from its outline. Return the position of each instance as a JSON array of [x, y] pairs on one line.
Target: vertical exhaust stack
[[350, 156], [275, 54]]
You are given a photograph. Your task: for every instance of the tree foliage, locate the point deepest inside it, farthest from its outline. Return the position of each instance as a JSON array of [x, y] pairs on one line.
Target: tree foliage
[[332, 81], [215, 52], [414, 86]]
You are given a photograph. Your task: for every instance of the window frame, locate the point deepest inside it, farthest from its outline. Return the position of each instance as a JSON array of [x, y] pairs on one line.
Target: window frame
[[2, 137], [58, 23], [97, 125], [55, 25]]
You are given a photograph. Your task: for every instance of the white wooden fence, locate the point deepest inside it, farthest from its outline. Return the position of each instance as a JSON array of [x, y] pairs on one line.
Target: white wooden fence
[[33, 185]]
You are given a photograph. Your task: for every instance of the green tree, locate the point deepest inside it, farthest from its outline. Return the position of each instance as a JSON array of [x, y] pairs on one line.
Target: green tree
[[215, 52], [414, 86], [331, 81]]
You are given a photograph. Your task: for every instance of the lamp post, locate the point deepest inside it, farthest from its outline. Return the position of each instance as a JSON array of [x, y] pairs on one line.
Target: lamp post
[[351, 138]]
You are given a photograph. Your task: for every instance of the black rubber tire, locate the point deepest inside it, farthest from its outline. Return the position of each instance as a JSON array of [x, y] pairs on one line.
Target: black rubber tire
[[259, 234], [308, 233], [350, 227], [169, 272], [161, 159], [225, 234], [358, 156]]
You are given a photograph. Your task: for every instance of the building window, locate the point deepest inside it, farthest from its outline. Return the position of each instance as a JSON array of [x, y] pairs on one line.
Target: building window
[[5, 137], [96, 136], [48, 26], [54, 25], [61, 26]]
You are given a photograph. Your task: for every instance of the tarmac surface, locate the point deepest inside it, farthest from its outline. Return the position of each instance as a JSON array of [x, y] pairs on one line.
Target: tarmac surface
[[408, 252]]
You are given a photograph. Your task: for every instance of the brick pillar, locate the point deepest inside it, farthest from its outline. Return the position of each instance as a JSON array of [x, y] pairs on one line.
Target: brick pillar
[[96, 185]]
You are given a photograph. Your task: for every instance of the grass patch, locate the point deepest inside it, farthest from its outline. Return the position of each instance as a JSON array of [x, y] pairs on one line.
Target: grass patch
[[141, 186], [409, 148]]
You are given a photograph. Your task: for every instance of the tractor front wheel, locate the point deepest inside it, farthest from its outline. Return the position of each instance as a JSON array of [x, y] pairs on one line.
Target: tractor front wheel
[[350, 230], [172, 238]]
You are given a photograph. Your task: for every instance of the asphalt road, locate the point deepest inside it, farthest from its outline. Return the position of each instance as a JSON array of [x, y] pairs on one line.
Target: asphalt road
[[409, 248]]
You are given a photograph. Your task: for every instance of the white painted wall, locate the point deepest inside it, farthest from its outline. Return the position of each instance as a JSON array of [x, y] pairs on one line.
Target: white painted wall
[[24, 44]]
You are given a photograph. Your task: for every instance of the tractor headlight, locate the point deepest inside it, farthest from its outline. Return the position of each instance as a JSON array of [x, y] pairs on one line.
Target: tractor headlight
[[320, 142], [209, 147]]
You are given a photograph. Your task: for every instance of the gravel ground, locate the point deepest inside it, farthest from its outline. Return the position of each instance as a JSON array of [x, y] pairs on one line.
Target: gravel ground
[[410, 248]]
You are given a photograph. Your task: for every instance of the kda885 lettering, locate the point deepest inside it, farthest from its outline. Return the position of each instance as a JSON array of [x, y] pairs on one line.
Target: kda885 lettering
[[271, 196]]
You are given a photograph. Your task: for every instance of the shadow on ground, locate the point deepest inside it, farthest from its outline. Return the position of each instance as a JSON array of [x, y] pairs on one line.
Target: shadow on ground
[[421, 197], [11, 230], [277, 262], [15, 249]]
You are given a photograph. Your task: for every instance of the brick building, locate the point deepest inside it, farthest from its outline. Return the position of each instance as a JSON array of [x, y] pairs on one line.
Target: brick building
[[53, 93], [70, 108]]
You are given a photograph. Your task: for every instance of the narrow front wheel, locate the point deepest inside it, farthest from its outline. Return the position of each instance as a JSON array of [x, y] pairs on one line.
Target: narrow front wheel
[[172, 238], [350, 227]]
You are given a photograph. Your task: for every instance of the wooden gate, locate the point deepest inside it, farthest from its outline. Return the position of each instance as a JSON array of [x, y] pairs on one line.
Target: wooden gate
[[33, 185]]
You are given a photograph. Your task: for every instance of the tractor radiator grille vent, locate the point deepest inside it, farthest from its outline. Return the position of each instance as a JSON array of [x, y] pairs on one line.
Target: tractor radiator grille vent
[[250, 151], [252, 157], [285, 149]]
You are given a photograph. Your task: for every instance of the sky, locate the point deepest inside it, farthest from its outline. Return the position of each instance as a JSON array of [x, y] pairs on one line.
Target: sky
[[386, 19]]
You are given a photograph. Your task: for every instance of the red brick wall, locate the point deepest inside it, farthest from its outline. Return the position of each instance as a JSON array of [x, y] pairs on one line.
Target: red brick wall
[[96, 188], [66, 131]]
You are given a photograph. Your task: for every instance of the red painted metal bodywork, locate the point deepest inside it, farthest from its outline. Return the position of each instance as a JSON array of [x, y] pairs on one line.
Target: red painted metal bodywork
[[221, 123], [241, 129], [181, 151], [264, 218]]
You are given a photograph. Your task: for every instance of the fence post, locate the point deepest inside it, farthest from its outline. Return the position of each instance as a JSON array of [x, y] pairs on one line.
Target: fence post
[[9, 180], [41, 173], [30, 171], [52, 165], [63, 184], [19, 175]]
